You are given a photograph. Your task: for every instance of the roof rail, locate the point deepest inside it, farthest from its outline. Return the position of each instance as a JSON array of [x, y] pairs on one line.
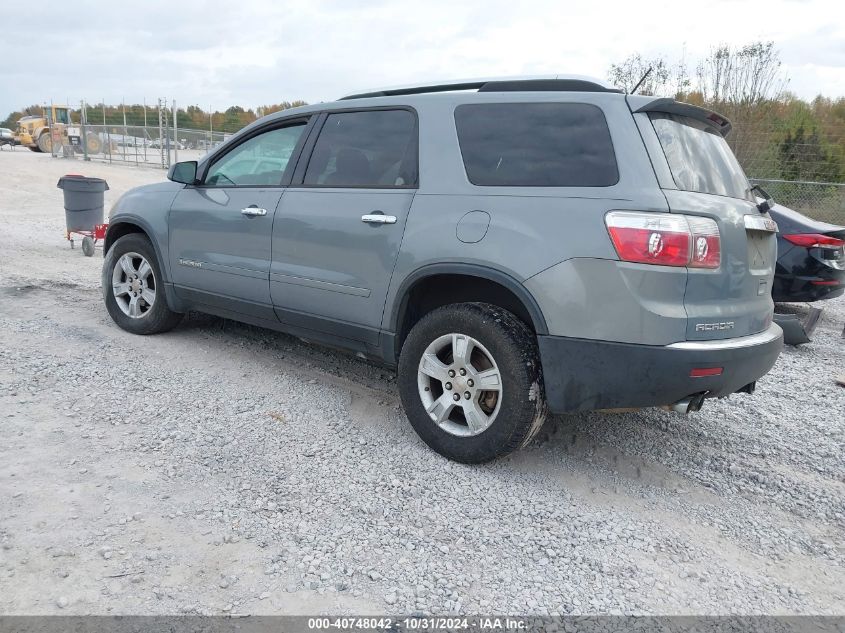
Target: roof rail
[[551, 83]]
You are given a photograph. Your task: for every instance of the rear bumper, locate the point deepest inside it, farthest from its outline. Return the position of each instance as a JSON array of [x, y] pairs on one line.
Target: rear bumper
[[584, 375]]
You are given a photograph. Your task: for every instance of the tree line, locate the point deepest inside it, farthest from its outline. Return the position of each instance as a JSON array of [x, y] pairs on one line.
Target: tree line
[[194, 117], [775, 134]]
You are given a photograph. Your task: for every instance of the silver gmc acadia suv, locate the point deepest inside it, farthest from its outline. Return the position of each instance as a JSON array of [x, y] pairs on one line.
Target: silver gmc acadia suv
[[512, 245]]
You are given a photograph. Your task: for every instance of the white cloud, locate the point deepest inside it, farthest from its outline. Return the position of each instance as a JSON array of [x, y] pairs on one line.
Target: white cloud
[[252, 52]]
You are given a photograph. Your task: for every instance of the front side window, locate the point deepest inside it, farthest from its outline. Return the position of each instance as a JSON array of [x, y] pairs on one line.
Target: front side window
[[699, 157], [260, 160], [536, 145], [374, 148]]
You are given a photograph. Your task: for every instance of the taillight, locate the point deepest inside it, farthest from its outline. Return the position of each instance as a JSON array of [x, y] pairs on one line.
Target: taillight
[[706, 242], [664, 239], [814, 240]]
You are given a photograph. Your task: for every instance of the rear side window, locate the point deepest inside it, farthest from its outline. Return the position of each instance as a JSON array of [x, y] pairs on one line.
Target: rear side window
[[699, 157], [536, 145], [372, 148]]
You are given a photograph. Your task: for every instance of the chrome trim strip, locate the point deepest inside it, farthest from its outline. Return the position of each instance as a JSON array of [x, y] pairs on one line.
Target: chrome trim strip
[[223, 268], [761, 338], [281, 278]]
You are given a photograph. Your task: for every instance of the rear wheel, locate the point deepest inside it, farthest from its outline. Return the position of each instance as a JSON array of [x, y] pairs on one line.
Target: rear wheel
[[471, 383], [133, 288], [93, 143]]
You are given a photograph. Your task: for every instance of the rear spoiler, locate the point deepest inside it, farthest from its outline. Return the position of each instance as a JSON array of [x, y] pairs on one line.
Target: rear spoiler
[[639, 103]]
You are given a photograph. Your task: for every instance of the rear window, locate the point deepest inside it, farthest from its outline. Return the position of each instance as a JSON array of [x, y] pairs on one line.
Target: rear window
[[699, 156], [536, 145]]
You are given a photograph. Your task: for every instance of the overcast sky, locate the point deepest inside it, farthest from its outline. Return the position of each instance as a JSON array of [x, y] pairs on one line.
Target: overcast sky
[[253, 52]]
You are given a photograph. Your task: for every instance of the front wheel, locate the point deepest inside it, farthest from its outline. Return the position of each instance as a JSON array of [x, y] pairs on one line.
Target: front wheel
[[471, 382], [133, 288], [45, 143]]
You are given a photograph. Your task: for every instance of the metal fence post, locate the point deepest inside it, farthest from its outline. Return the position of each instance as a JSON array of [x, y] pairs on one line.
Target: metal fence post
[[83, 122], [161, 135], [166, 132], [125, 131], [107, 131], [175, 133], [49, 110], [146, 133]]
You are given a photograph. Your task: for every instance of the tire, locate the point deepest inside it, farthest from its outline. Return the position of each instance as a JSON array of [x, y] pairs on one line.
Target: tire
[[94, 143], [128, 298], [515, 408], [88, 246], [45, 143]]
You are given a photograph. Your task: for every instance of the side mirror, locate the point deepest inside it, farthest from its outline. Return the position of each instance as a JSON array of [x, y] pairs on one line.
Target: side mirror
[[184, 172]]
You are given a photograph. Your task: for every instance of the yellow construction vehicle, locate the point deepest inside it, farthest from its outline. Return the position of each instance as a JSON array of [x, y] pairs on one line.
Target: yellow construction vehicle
[[38, 133]]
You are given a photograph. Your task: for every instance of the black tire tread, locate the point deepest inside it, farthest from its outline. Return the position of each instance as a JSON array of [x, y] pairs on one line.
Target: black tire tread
[[517, 355], [160, 318]]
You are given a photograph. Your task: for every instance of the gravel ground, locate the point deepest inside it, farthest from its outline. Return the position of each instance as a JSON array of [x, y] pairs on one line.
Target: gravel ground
[[221, 468]]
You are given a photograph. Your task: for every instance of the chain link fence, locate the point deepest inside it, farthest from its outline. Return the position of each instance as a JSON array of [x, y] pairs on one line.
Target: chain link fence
[[158, 142], [802, 165], [139, 145], [823, 201]]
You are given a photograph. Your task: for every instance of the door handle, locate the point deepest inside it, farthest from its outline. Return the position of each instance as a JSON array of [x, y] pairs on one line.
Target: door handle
[[378, 218], [253, 212]]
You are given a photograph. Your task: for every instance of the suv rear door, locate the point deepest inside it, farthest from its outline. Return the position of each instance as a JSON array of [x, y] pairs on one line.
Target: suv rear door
[[337, 233], [700, 176]]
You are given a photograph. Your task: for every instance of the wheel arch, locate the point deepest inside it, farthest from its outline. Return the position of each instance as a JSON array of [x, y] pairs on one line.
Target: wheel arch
[[128, 226], [416, 297]]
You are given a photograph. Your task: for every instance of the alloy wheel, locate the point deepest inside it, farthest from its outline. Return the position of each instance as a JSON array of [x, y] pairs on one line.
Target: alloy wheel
[[134, 285], [460, 385]]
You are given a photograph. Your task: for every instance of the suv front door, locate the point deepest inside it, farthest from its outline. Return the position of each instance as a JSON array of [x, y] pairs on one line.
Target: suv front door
[[337, 233], [220, 230]]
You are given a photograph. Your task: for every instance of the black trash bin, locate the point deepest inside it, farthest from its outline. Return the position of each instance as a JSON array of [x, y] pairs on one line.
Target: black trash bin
[[84, 201]]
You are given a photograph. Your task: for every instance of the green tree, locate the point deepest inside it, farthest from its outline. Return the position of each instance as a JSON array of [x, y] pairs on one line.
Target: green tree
[[805, 156], [11, 121]]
